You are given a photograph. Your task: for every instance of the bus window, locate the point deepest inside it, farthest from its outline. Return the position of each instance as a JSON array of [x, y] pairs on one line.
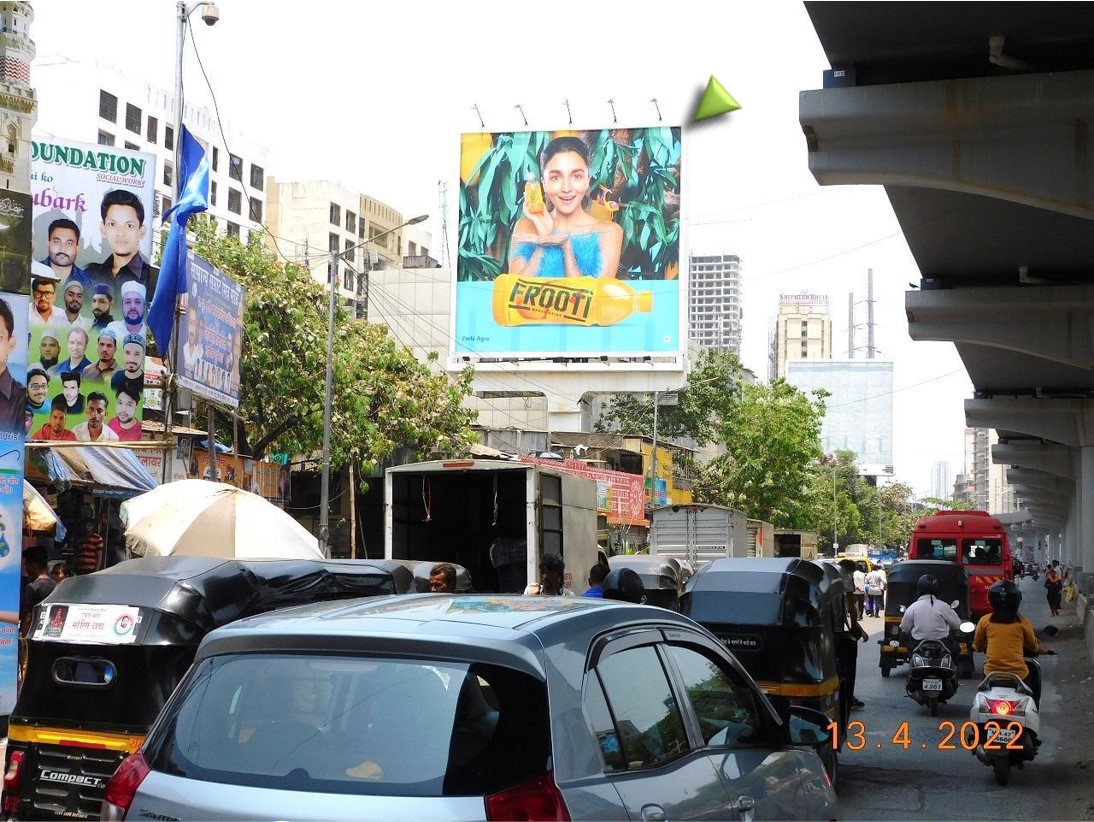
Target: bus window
[[936, 549], [982, 551]]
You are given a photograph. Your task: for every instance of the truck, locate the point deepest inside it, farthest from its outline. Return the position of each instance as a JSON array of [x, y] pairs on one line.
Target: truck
[[496, 518], [698, 533], [761, 538], [790, 543]]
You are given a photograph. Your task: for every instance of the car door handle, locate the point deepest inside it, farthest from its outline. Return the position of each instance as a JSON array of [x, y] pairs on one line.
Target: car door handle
[[654, 813]]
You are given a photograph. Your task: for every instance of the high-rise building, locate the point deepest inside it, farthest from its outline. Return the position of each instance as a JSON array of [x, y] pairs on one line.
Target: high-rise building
[[990, 490], [90, 102], [714, 301], [803, 331], [18, 106], [941, 480], [859, 407]]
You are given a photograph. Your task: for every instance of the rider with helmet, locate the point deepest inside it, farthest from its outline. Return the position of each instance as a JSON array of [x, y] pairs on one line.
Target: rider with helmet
[[1008, 637], [624, 584], [929, 617]]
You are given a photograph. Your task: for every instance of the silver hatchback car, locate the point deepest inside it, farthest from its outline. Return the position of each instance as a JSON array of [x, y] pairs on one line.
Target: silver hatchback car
[[472, 707]]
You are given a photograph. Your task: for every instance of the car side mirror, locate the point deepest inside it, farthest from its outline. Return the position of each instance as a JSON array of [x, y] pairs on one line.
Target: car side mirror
[[808, 727]]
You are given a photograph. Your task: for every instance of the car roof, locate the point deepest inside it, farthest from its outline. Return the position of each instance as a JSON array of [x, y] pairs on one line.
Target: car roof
[[498, 628]]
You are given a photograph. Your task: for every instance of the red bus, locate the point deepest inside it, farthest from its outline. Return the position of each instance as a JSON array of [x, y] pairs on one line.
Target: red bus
[[975, 539]]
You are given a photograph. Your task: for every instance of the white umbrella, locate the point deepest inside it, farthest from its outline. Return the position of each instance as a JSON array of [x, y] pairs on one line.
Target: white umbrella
[[196, 517]]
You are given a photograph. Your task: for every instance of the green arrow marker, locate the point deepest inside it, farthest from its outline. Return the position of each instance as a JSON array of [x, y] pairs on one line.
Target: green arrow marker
[[716, 100]]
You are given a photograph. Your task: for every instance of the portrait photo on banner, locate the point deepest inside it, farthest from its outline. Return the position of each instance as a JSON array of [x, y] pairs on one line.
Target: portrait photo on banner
[[91, 282], [569, 242]]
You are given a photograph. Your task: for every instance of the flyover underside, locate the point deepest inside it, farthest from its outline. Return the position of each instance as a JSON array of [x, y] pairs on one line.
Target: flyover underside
[[992, 181]]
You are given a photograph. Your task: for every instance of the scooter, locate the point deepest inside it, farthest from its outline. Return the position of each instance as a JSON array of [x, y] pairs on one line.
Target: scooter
[[1007, 722], [932, 672], [1034, 573]]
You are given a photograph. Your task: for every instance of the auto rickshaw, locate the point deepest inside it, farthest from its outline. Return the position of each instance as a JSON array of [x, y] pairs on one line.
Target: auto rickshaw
[[779, 617], [660, 575], [900, 592], [105, 651]]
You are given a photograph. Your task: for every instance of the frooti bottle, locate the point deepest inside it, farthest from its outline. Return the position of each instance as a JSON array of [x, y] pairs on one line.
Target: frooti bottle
[[567, 301], [533, 196]]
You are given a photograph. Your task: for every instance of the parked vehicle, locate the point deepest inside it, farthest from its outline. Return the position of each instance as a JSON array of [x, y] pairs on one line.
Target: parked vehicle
[[471, 707], [761, 538], [106, 650], [779, 618], [973, 539], [698, 533], [901, 591], [493, 517], [932, 671], [802, 544], [662, 577]]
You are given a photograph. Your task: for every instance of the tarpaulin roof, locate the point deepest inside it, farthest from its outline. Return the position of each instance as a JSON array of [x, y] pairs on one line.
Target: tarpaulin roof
[[112, 472], [38, 514]]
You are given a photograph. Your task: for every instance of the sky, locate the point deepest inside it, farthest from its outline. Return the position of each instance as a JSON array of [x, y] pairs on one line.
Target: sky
[[374, 96]]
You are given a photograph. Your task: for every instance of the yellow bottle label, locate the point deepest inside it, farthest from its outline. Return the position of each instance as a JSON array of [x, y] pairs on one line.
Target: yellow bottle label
[[568, 301], [533, 197]]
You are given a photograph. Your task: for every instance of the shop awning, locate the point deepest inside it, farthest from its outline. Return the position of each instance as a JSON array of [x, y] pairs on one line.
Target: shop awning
[[106, 472], [38, 514]]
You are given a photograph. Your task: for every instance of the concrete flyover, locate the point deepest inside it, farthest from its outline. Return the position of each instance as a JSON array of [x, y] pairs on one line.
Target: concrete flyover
[[978, 119]]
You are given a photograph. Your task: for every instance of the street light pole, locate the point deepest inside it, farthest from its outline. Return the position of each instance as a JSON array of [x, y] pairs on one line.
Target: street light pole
[[328, 398]]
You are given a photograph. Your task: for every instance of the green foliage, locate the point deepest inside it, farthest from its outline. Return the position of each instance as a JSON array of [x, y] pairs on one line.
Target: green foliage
[[710, 396], [383, 398], [772, 440]]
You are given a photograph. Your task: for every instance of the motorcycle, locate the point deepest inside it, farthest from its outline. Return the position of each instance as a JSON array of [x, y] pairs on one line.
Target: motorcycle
[[1034, 573], [1005, 716], [932, 673]]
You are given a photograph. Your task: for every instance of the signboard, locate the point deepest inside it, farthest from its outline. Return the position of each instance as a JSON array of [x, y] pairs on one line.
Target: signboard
[[619, 495], [267, 479], [569, 244], [211, 339], [90, 288], [99, 624]]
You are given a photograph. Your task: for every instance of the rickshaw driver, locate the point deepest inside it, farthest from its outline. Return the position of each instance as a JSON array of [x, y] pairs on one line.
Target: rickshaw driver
[[929, 617]]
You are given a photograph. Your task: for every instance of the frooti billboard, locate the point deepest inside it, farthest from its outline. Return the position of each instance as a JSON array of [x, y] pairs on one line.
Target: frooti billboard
[[90, 286], [569, 243]]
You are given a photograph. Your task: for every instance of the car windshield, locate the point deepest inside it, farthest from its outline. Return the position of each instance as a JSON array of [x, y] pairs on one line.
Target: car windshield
[[357, 725]]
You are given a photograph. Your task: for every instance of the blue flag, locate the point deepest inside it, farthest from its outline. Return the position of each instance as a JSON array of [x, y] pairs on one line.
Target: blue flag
[[174, 269]]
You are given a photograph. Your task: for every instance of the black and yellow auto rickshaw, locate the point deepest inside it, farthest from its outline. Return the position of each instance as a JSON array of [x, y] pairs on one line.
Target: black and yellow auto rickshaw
[[779, 617], [901, 591], [105, 651], [661, 577]]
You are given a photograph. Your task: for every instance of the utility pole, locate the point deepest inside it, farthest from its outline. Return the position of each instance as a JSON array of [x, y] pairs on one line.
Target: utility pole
[[653, 455]]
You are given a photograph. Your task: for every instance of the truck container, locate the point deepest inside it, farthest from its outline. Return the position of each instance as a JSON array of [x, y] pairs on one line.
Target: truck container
[[790, 543], [698, 533], [761, 538], [495, 518]]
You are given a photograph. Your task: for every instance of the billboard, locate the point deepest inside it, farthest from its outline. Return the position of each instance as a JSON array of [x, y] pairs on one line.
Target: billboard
[[210, 341], [569, 244], [90, 283]]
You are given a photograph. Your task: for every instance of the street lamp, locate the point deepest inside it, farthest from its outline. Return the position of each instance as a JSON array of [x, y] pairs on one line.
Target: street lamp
[[210, 14], [332, 282]]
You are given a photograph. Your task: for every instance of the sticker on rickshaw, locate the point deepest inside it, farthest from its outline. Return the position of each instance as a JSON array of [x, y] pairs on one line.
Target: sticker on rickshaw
[[101, 624]]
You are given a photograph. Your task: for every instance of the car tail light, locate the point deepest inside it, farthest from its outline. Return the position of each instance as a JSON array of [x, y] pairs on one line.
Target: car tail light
[[122, 787], [1006, 707], [539, 799], [13, 777]]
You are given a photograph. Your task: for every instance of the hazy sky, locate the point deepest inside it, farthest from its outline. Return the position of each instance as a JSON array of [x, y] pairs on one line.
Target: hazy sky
[[374, 96]]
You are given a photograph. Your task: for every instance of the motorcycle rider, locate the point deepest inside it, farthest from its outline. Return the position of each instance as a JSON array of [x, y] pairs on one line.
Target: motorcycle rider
[[929, 617], [1007, 637]]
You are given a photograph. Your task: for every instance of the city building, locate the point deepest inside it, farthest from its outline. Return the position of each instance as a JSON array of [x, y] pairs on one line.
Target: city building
[[986, 488], [18, 106], [89, 102], [714, 301], [312, 220], [941, 480], [858, 411], [803, 331]]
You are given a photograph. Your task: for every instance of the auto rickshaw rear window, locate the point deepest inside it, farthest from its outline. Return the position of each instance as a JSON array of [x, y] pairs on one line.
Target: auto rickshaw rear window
[[936, 548], [84, 672]]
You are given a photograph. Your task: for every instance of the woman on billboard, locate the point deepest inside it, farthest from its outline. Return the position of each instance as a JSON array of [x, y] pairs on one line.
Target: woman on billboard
[[557, 236]]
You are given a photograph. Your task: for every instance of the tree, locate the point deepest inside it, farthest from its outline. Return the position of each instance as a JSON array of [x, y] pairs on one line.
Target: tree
[[772, 438], [383, 398], [711, 394]]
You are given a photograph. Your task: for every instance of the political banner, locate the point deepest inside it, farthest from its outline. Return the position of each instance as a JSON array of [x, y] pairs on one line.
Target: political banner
[[90, 286], [210, 340]]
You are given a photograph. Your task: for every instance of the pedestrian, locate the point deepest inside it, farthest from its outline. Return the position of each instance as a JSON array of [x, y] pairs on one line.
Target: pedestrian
[[552, 572], [39, 584], [848, 634], [875, 592], [1054, 586], [597, 574], [859, 578], [442, 578]]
